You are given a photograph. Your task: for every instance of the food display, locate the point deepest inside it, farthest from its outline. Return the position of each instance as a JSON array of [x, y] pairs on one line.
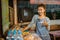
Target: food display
[[32, 37], [29, 37], [25, 33], [36, 37]]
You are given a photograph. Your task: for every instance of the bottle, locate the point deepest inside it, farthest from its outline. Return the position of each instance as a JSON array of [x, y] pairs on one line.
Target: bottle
[[20, 38], [8, 38], [18, 35], [12, 38]]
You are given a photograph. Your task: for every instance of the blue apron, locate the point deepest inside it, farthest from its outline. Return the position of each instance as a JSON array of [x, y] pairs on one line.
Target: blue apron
[[41, 30]]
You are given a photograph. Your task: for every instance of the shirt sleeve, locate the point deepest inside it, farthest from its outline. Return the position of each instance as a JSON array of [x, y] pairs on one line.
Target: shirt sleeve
[[48, 21], [32, 23]]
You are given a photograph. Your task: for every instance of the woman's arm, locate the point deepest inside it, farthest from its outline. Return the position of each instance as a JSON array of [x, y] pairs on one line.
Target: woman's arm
[[25, 28], [31, 24]]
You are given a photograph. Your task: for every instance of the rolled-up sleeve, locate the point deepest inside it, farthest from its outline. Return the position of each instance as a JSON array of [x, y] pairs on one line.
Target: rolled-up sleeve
[[32, 23], [48, 21]]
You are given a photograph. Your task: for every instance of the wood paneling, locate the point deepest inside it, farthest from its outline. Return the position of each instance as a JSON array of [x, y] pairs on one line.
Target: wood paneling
[[5, 15], [0, 20], [11, 15], [55, 27]]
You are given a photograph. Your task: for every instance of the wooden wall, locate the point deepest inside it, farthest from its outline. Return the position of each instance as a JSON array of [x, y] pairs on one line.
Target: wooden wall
[[5, 15], [54, 27], [0, 20]]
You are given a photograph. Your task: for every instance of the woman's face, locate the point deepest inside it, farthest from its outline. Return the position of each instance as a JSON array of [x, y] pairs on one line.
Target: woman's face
[[41, 10]]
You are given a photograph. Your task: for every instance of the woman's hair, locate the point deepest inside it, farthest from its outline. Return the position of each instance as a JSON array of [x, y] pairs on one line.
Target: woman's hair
[[42, 5]]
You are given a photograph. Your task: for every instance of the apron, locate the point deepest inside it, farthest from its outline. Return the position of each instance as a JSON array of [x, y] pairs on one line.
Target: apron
[[41, 30]]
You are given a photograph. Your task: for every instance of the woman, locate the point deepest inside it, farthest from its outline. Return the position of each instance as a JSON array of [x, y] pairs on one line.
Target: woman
[[42, 23]]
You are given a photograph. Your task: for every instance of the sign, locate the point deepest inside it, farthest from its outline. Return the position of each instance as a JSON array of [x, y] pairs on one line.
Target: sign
[[45, 1]]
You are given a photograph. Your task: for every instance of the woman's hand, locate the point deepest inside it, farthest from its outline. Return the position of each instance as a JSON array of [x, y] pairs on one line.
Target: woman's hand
[[23, 29], [45, 23]]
